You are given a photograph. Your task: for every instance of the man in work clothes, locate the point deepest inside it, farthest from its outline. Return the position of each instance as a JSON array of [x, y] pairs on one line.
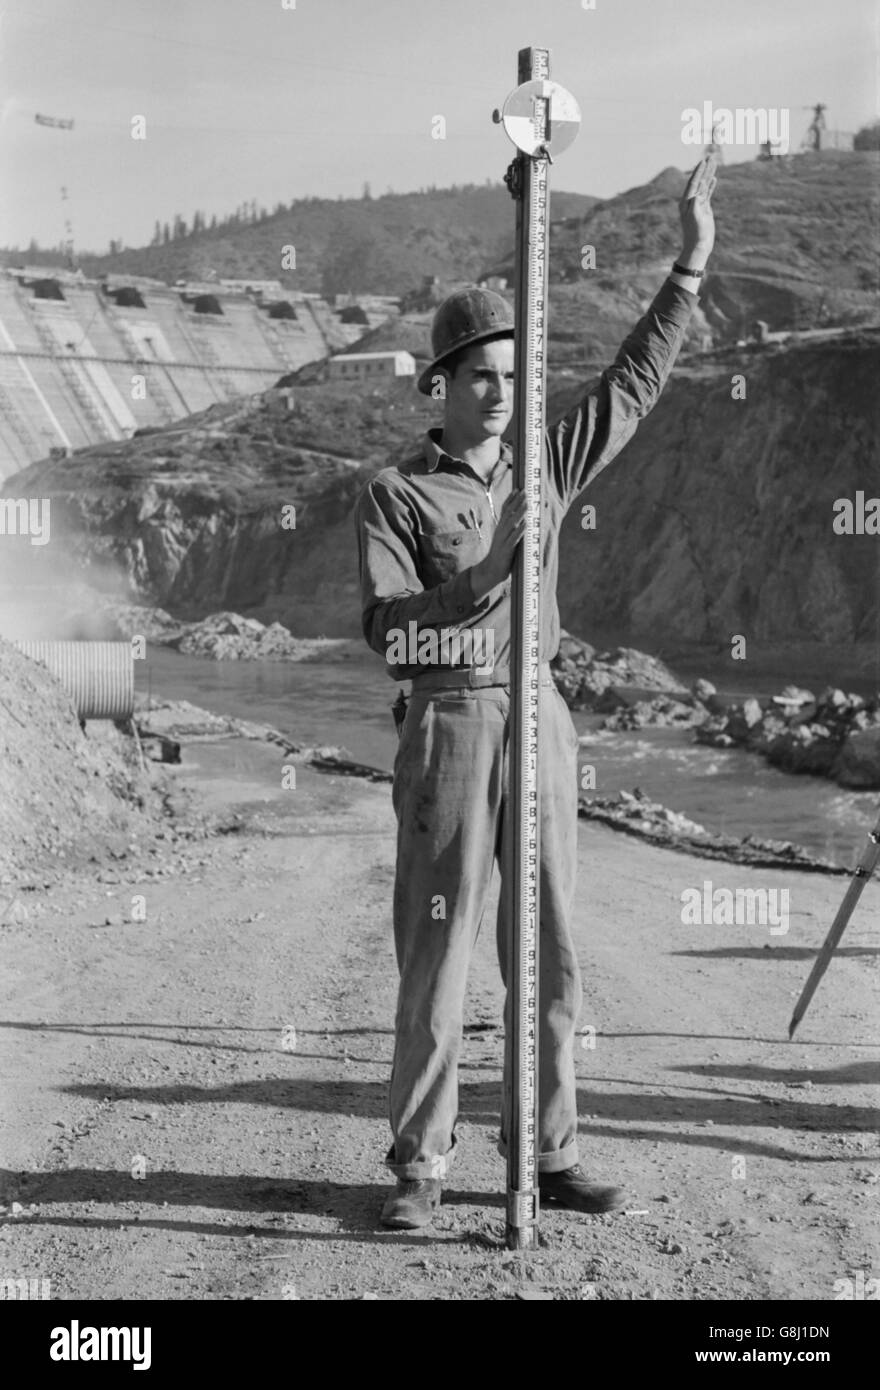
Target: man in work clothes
[[436, 540]]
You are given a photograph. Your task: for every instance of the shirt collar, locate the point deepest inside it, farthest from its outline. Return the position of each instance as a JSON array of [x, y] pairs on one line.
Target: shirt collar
[[434, 455]]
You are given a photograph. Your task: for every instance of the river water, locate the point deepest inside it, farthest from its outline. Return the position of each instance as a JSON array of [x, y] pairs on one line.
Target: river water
[[348, 703]]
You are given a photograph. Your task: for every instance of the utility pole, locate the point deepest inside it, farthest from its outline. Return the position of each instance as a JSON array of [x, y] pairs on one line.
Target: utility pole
[[815, 130]]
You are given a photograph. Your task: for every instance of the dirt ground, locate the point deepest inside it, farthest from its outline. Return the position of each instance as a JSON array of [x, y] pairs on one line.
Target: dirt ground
[[166, 1136]]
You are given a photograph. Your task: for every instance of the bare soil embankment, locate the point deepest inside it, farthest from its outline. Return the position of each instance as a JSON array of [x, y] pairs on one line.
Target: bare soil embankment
[[62, 792]]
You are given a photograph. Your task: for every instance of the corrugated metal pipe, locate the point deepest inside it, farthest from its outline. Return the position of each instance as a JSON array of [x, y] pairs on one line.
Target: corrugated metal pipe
[[98, 676]]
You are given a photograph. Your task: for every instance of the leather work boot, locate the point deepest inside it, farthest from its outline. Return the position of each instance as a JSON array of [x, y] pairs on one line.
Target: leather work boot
[[570, 1188], [412, 1204]]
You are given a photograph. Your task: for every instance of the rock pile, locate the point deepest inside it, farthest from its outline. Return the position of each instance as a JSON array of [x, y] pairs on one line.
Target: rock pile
[[834, 734], [662, 711], [683, 709], [584, 675], [635, 814], [228, 637]]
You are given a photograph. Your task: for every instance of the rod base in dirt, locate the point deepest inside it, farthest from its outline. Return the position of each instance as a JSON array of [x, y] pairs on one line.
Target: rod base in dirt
[[522, 1219]]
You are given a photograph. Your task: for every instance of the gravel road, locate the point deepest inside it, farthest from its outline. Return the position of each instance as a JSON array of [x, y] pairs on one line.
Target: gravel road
[[195, 1102]]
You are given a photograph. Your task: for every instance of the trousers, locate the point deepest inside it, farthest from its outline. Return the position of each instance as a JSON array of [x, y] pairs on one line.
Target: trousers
[[450, 796]]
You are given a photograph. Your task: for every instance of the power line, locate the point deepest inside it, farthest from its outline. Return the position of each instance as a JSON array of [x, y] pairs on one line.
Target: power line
[[304, 69], [257, 59]]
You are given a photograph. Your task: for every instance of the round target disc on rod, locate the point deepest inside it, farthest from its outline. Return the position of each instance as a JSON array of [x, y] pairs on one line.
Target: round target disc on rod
[[518, 117]]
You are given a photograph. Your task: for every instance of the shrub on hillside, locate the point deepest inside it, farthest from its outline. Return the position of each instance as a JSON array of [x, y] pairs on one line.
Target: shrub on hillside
[[868, 138]]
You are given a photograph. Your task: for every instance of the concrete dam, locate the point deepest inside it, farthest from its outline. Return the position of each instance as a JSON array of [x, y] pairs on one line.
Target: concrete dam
[[86, 361]]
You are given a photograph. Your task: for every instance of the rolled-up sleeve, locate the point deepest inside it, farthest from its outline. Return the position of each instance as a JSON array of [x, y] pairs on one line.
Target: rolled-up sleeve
[[392, 595], [588, 437]]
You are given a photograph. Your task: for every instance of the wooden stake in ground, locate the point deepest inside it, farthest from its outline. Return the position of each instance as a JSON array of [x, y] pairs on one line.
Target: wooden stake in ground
[[541, 119], [866, 866]]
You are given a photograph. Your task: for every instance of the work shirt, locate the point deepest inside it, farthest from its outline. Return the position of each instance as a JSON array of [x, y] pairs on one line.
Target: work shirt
[[423, 523]]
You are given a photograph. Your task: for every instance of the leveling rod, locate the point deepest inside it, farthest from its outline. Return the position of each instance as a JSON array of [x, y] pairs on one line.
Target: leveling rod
[[541, 119]]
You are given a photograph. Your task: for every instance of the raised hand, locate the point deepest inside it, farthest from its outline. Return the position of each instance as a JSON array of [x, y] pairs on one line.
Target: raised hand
[[697, 217]]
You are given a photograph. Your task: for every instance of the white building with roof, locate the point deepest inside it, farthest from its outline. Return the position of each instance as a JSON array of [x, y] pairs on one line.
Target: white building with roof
[[365, 365]]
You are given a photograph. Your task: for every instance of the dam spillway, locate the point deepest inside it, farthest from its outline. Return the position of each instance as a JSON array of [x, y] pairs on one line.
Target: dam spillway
[[85, 361]]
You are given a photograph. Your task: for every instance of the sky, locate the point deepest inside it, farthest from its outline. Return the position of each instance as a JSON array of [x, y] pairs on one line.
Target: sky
[[277, 99]]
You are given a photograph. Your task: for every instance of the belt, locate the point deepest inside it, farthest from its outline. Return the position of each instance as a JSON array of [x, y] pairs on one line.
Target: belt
[[469, 678]]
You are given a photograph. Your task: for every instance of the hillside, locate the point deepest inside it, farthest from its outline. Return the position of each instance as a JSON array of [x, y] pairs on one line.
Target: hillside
[[586, 325], [796, 247], [383, 245], [776, 217], [716, 519], [190, 514]]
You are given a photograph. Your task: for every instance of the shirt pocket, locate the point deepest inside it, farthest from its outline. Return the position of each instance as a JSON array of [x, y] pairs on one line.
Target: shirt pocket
[[445, 554]]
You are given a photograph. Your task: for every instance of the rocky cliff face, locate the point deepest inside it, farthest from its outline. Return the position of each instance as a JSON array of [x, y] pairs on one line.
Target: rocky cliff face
[[717, 518], [244, 507], [715, 521]]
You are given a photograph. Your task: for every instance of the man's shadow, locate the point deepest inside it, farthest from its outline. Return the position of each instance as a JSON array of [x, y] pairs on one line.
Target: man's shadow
[[265, 1200]]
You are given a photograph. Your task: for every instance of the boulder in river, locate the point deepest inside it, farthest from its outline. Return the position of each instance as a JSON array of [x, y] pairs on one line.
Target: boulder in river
[[858, 762]]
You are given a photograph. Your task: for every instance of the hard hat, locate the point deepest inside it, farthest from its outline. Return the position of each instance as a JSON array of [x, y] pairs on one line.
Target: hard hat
[[468, 316]]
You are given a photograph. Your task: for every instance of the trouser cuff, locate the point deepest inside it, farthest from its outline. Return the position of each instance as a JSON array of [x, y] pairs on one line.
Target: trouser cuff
[[437, 1166], [556, 1161]]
